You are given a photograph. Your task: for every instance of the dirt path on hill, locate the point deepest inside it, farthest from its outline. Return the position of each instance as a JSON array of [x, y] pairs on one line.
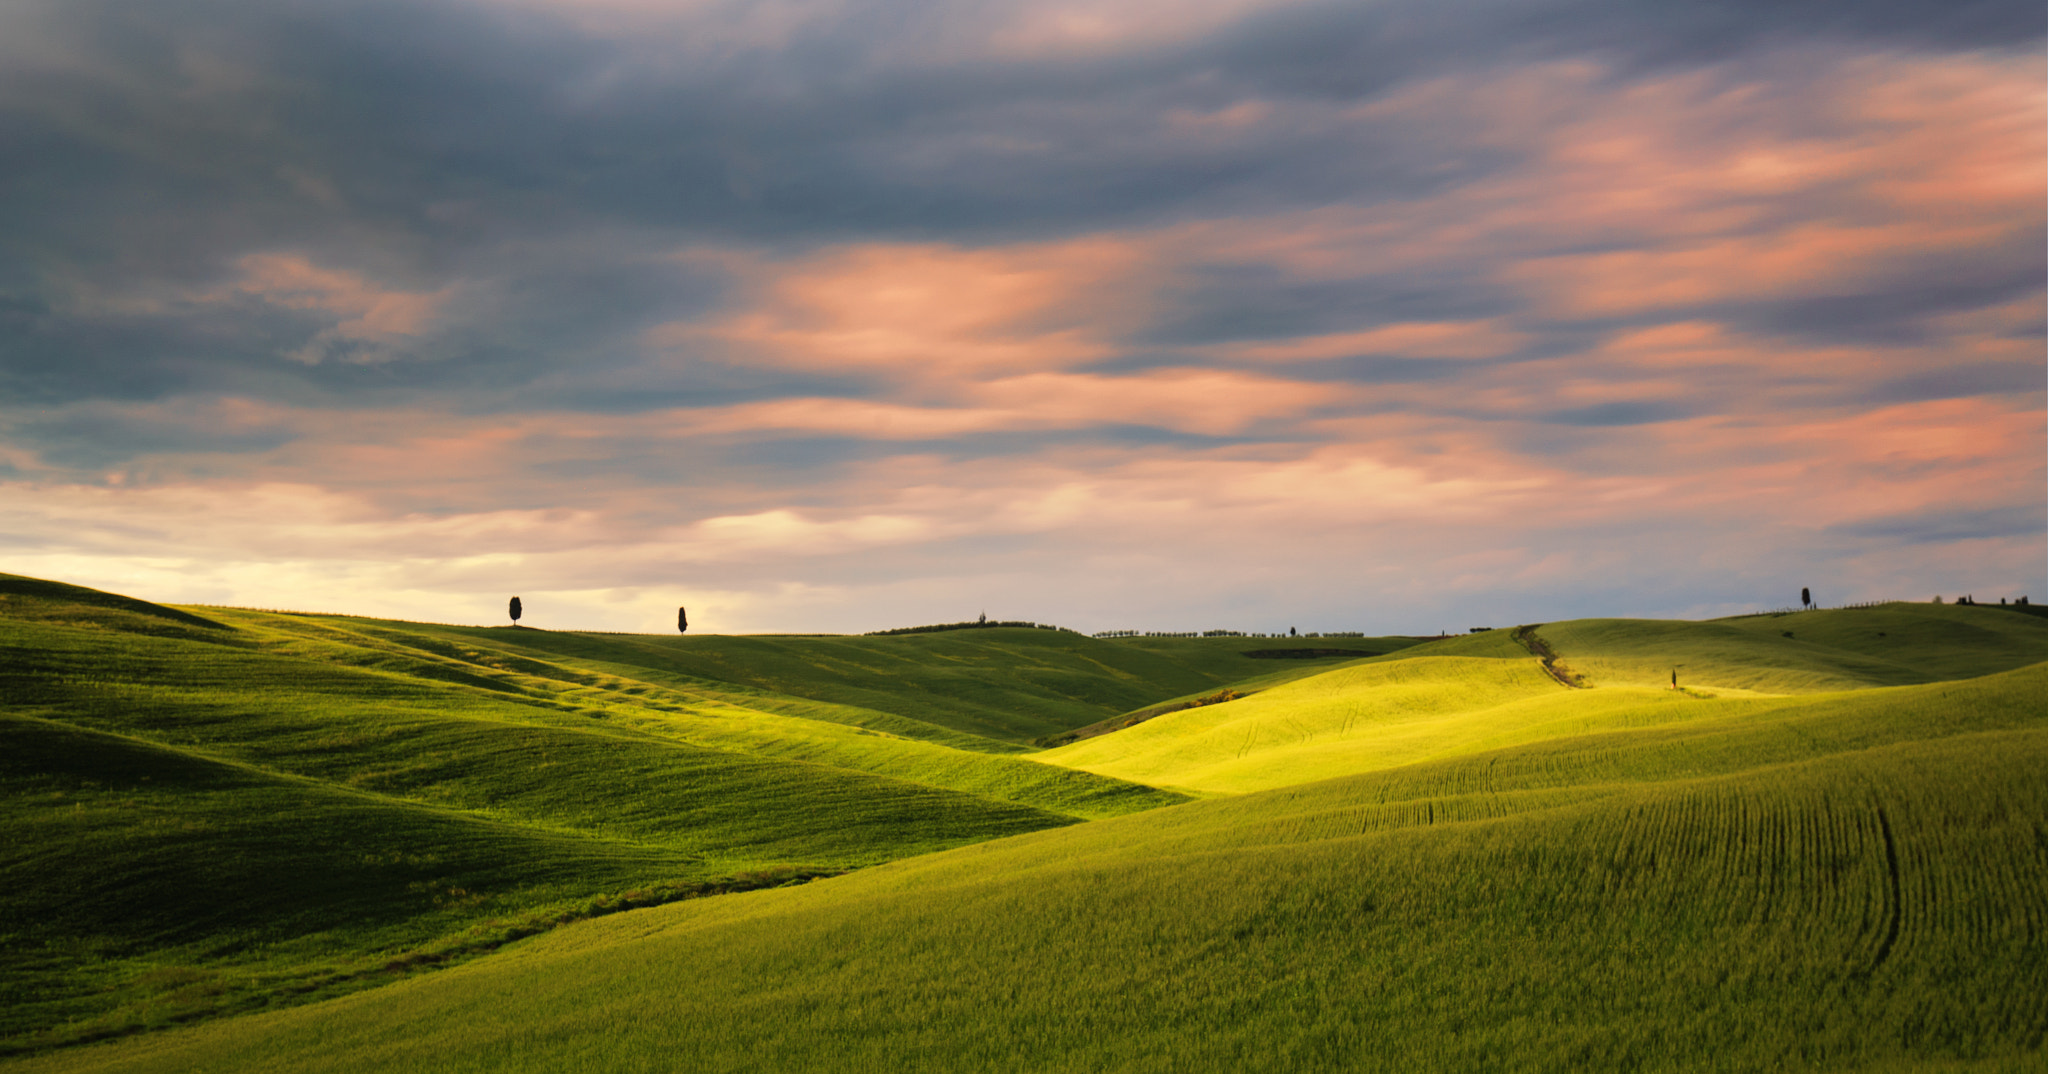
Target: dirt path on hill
[[1552, 666]]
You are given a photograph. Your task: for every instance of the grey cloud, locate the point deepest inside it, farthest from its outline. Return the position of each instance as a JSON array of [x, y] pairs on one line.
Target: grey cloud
[[1341, 49], [95, 437], [544, 168], [444, 127], [47, 356], [1616, 414], [1895, 306], [1940, 527], [1956, 380], [1224, 302]]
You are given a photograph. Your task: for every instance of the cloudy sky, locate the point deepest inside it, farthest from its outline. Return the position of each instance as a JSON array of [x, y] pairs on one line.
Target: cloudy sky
[[836, 315]]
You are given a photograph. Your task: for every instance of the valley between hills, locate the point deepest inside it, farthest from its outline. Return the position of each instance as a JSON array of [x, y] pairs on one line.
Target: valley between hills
[[238, 840]]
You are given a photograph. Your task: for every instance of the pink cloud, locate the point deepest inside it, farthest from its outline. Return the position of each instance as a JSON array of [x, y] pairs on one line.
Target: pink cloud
[[1706, 354], [1413, 339], [1201, 401], [1066, 28], [947, 34], [1813, 259], [1912, 156], [1697, 186], [842, 417], [1197, 401], [1634, 200], [1421, 492], [925, 312], [370, 314], [372, 311]]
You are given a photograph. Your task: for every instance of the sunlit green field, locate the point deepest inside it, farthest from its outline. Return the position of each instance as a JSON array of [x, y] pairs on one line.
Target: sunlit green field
[[1826, 852], [216, 810], [1479, 692]]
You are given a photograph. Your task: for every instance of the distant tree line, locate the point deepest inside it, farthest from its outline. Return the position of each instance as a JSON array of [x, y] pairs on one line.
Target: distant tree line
[[982, 624], [1291, 633], [1972, 600]]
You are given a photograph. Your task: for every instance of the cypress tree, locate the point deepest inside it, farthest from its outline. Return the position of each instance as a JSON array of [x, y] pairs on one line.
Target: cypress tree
[[682, 620], [515, 610]]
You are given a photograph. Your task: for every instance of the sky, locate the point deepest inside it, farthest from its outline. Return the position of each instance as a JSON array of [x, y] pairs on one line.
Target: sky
[[841, 315]]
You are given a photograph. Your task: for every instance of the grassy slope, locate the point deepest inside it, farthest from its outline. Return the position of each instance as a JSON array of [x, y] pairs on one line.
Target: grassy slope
[[1274, 672], [534, 667], [147, 884], [1831, 881], [1004, 687], [298, 800], [1627, 877], [1340, 722], [1485, 691], [1887, 645]]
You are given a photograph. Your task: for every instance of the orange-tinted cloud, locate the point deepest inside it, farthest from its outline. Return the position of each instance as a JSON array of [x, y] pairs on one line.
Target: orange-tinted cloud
[[1541, 452], [929, 312], [1911, 157], [1812, 260], [369, 313], [1065, 28], [1690, 188], [1210, 402], [1411, 339], [1187, 400]]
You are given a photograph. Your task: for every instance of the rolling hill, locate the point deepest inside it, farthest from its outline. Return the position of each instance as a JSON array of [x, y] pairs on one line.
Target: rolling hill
[[1846, 886], [1824, 852], [208, 812], [1485, 691]]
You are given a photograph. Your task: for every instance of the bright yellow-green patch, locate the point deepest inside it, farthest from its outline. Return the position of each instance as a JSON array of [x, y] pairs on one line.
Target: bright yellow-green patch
[[1438, 858], [1848, 884]]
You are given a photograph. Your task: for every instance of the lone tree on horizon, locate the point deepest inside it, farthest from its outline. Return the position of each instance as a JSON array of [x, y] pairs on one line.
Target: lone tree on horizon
[[515, 609], [1805, 597], [682, 620]]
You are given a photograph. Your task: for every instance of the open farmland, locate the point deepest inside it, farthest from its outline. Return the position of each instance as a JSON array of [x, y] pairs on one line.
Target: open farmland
[[1826, 852], [215, 810]]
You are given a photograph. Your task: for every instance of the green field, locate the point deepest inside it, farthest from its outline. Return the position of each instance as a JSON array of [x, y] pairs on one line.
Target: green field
[[1828, 851]]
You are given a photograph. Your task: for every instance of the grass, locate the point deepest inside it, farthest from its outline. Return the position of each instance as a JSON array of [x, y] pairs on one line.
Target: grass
[[1485, 691], [1354, 719], [1826, 852], [1852, 883], [1004, 687], [205, 814], [1802, 652]]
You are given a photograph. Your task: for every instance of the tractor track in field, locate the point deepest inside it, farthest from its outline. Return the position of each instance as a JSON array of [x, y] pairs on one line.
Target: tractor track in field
[[1895, 908]]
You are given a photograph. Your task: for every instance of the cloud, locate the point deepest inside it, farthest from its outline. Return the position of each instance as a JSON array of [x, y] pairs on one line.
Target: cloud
[[1950, 526], [370, 320], [1195, 401], [928, 312], [848, 310], [1414, 339]]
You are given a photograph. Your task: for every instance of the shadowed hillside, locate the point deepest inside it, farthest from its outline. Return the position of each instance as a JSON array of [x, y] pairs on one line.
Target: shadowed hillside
[[1823, 850], [1803, 652], [213, 813], [1850, 884], [1008, 685]]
